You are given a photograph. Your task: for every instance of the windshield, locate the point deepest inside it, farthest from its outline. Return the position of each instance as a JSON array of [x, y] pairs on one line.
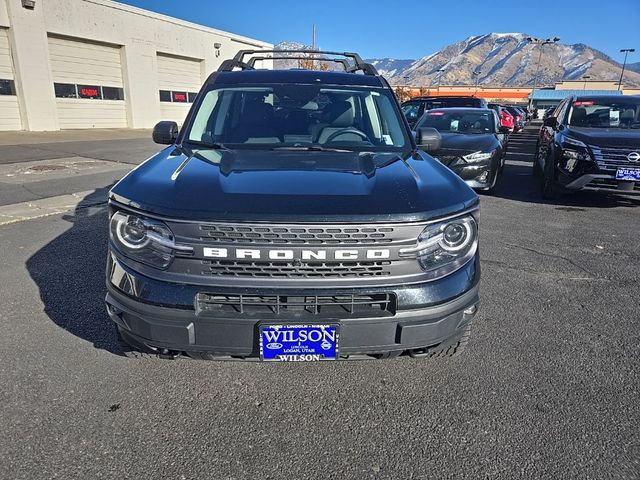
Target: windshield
[[411, 110], [600, 114], [298, 116], [459, 121]]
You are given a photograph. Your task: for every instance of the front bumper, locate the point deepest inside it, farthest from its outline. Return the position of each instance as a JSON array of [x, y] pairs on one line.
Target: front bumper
[[603, 183], [479, 175], [162, 315]]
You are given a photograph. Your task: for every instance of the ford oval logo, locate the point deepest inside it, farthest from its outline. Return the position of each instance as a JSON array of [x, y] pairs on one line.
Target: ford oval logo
[[633, 157], [274, 345]]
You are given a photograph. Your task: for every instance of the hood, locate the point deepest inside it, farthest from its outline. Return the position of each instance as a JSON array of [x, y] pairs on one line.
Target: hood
[[606, 137], [262, 185]]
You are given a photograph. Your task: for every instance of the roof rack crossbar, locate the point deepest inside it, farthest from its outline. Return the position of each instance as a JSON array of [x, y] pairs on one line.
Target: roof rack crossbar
[[238, 60], [347, 66]]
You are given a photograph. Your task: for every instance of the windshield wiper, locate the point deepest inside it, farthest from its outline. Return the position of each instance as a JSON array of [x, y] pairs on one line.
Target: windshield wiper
[[311, 148], [207, 145]]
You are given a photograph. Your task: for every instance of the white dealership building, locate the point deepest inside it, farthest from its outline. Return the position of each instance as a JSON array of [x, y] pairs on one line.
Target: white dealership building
[[68, 64]]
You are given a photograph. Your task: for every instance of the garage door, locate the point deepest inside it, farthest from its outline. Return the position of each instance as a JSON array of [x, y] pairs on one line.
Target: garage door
[[9, 111], [179, 79], [87, 79]]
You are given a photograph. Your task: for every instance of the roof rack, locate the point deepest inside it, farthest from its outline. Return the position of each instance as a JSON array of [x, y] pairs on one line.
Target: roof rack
[[238, 60], [347, 66]]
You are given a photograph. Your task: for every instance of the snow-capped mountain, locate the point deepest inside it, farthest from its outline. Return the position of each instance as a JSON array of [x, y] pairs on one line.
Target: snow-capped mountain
[[634, 67], [505, 59], [390, 67]]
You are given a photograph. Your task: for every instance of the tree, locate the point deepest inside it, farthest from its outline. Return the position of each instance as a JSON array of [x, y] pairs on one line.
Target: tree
[[311, 63]]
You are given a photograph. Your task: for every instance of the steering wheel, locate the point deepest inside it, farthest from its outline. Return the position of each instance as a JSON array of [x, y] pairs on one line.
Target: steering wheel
[[343, 131]]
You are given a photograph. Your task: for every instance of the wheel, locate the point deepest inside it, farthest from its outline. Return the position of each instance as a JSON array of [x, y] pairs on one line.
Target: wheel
[[131, 349], [387, 355], [548, 187], [536, 171], [449, 348]]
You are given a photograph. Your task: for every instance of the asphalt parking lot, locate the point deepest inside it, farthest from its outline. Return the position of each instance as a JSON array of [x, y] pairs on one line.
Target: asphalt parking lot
[[547, 388]]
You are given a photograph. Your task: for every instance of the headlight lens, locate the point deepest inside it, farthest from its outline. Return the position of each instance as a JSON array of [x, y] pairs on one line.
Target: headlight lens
[[572, 142], [446, 246], [143, 239], [478, 156], [574, 151]]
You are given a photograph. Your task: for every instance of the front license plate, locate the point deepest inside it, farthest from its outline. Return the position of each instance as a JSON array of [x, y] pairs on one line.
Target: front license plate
[[628, 174], [298, 343]]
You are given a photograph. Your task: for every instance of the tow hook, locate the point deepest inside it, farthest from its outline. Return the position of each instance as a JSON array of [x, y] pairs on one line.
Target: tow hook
[[167, 354]]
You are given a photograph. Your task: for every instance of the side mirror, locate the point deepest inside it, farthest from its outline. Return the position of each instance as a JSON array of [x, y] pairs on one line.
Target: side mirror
[[165, 133], [503, 129], [428, 139], [550, 122]]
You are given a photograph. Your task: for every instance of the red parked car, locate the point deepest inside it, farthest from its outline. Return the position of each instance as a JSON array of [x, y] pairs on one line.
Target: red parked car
[[506, 119]]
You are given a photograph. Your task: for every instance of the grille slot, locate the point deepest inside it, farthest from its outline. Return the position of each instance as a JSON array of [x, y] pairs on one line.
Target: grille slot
[[609, 159], [290, 270], [335, 306], [303, 235]]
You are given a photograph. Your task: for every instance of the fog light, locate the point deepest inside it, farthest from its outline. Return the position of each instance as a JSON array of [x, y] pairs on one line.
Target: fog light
[[471, 310]]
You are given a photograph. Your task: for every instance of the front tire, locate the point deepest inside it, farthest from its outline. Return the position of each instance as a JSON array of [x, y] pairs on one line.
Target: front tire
[[449, 348], [549, 189]]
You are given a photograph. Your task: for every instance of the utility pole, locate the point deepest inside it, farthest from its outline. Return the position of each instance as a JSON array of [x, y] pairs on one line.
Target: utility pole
[[313, 47], [626, 52], [541, 43]]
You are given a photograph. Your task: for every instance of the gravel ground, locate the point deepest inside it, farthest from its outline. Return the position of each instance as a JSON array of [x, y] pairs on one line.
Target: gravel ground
[[547, 388]]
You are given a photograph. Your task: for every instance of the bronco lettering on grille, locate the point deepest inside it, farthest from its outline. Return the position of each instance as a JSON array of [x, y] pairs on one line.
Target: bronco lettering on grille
[[286, 254]]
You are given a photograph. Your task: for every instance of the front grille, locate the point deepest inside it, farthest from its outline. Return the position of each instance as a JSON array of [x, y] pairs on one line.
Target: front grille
[[295, 235], [291, 270], [311, 250], [609, 159], [335, 306]]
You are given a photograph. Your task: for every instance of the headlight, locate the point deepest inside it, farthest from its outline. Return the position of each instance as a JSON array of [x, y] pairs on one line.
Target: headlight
[[446, 246], [143, 239], [568, 141], [478, 156], [573, 151]]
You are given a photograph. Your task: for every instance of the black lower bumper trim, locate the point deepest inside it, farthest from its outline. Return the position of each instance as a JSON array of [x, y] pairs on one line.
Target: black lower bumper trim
[[173, 329]]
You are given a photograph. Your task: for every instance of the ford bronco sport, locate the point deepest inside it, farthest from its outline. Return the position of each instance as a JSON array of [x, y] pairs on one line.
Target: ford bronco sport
[[293, 217]]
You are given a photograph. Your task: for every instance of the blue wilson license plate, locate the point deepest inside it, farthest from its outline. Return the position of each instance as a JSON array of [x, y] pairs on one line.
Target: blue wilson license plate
[[298, 343], [628, 174]]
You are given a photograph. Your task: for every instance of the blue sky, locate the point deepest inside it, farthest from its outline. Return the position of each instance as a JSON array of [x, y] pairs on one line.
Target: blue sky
[[377, 28]]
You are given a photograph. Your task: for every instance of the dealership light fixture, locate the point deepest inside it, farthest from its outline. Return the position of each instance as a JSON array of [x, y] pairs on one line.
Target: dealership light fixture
[[626, 52], [541, 43], [476, 73], [217, 46], [29, 4]]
